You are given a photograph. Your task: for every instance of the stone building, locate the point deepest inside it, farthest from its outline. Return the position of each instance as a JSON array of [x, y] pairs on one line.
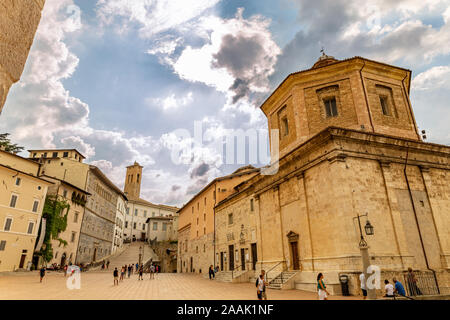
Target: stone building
[[119, 227], [98, 225], [236, 232], [22, 198], [19, 20], [97, 230], [349, 145], [196, 229], [140, 210], [76, 198]]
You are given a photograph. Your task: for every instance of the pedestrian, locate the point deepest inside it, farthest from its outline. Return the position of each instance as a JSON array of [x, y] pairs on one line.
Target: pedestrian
[[322, 288], [152, 272], [389, 288], [362, 279], [261, 286], [130, 269], [122, 273], [137, 266], [398, 288], [107, 264], [141, 272], [116, 276], [65, 270], [217, 269], [412, 283], [211, 272], [42, 273]]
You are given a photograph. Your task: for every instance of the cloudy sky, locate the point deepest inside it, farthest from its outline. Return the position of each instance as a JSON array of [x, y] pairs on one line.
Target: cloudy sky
[[117, 79]]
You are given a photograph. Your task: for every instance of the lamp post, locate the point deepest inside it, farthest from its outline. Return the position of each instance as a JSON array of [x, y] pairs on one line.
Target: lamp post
[[364, 248]]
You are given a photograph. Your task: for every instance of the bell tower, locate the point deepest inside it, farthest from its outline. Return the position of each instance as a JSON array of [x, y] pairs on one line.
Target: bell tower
[[133, 181]]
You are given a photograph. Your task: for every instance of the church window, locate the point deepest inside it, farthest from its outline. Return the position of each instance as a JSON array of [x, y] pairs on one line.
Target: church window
[[230, 218], [387, 104], [384, 105], [330, 107], [283, 122]]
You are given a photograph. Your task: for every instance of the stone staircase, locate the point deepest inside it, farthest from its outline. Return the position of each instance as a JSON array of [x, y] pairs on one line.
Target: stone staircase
[[282, 278], [224, 276], [228, 276]]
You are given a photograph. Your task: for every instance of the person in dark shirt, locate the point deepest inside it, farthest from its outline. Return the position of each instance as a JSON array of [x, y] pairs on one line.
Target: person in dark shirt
[[42, 273], [141, 272], [116, 276]]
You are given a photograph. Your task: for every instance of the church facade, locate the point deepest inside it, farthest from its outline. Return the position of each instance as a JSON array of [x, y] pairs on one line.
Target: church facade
[[349, 146]]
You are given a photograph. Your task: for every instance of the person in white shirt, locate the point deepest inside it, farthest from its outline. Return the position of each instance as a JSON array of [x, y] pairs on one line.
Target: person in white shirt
[[389, 289], [362, 279], [261, 286]]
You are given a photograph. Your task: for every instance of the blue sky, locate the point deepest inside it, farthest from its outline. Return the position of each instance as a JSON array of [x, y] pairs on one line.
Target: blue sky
[[118, 79]]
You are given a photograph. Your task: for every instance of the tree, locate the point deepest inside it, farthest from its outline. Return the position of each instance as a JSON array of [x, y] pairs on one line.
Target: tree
[[7, 145], [56, 220]]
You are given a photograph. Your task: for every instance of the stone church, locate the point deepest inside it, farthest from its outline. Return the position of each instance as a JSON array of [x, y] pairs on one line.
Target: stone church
[[349, 145]]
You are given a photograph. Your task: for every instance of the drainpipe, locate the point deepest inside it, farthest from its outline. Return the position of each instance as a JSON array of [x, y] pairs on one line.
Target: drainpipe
[[214, 214], [410, 107], [365, 96], [417, 220]]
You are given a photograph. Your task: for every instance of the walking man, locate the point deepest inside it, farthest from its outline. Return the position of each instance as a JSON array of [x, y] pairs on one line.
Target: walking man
[[42, 273], [130, 268], [141, 272], [116, 276]]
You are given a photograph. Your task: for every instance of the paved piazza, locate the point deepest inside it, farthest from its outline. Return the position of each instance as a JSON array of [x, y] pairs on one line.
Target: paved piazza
[[99, 285]]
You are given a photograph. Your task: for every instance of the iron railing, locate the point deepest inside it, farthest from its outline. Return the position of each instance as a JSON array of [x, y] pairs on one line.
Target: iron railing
[[420, 283], [234, 269], [271, 269]]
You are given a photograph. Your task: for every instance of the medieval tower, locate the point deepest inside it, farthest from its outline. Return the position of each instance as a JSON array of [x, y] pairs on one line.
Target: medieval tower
[[133, 181]]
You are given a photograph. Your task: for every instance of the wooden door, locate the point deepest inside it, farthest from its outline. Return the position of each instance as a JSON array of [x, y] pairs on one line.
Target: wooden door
[[221, 261], [243, 258], [22, 261], [231, 253], [254, 256], [295, 257]]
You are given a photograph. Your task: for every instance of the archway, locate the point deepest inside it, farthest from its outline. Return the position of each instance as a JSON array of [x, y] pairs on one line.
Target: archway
[[63, 260]]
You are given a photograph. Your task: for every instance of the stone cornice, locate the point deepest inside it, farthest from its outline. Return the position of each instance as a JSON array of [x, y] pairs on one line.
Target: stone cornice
[[331, 140]]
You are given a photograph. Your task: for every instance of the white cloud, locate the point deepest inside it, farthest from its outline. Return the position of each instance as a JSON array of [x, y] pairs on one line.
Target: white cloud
[[435, 78], [172, 102], [238, 57], [152, 16]]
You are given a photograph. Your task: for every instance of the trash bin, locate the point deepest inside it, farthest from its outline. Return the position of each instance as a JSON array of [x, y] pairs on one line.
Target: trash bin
[[343, 279]]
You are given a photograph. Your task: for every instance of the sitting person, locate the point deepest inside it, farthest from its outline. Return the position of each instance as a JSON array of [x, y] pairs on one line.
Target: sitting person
[[389, 289], [399, 289]]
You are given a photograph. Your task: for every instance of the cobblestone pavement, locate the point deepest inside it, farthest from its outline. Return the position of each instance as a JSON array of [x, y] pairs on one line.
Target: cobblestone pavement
[[169, 286]]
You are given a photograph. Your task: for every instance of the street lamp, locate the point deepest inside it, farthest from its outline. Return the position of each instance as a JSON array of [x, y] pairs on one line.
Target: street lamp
[[364, 248], [369, 228]]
